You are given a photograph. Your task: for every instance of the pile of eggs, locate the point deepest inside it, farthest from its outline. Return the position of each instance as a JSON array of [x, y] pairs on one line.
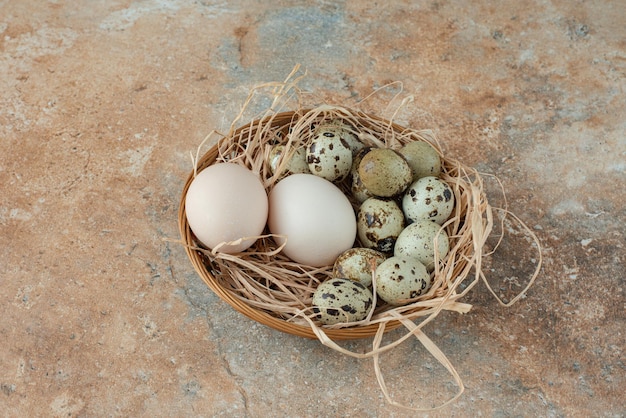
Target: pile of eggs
[[339, 203]]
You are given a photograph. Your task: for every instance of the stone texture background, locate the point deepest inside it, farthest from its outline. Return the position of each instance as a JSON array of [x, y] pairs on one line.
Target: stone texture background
[[101, 103]]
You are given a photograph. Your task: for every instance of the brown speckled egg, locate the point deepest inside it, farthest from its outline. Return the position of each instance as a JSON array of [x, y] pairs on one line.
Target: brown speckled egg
[[329, 155], [429, 198], [418, 241], [379, 222], [341, 300], [422, 158], [384, 172], [399, 279], [356, 264]]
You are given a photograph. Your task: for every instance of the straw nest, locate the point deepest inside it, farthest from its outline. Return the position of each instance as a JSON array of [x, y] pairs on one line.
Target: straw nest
[[266, 286], [269, 288]]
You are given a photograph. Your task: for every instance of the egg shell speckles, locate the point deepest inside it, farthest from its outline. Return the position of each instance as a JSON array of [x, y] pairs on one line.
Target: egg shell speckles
[[360, 193], [356, 264], [429, 198], [418, 241], [384, 172], [379, 222], [329, 155], [399, 279], [346, 132], [296, 164], [341, 300]]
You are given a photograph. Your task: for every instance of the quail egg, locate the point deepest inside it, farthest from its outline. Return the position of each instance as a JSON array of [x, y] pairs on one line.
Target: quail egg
[[347, 134], [379, 222], [360, 193], [418, 241], [422, 158], [341, 300], [296, 164], [399, 279], [329, 155], [356, 264], [429, 198], [384, 172]]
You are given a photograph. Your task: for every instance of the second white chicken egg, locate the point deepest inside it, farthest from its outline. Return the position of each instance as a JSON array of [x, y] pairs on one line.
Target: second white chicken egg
[[313, 218]]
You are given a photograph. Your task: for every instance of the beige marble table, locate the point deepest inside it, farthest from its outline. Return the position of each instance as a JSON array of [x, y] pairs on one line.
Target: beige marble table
[[101, 103]]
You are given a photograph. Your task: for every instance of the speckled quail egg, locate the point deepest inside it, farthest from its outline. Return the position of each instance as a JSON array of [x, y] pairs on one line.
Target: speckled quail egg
[[360, 193], [384, 172], [399, 279], [329, 155], [296, 164], [341, 300], [422, 158], [429, 198], [418, 241], [356, 264], [379, 222], [347, 134]]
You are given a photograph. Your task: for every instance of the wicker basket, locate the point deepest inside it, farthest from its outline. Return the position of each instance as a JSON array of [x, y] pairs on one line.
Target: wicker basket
[[468, 228], [472, 214]]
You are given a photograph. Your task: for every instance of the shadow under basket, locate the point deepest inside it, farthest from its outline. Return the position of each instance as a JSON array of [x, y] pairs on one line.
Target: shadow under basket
[[468, 226]]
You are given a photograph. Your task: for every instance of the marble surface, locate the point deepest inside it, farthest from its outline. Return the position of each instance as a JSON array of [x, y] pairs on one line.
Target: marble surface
[[101, 103]]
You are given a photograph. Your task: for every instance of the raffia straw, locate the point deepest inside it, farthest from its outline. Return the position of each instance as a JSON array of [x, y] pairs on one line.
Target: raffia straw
[[266, 286]]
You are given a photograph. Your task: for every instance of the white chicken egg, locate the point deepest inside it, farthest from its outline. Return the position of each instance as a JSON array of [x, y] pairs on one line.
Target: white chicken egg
[[314, 217], [399, 279], [226, 202], [418, 241], [428, 198], [341, 300]]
